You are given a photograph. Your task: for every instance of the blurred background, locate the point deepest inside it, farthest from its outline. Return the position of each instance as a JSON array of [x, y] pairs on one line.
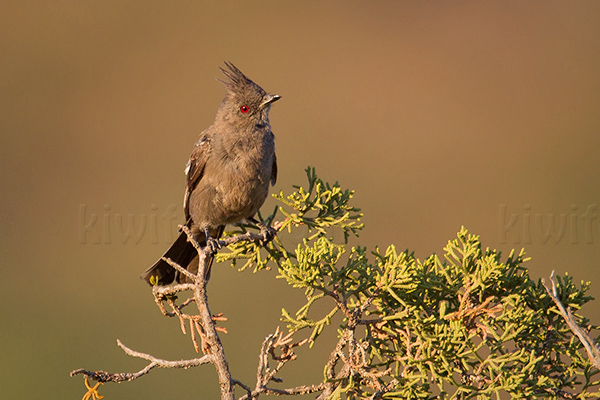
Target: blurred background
[[438, 114]]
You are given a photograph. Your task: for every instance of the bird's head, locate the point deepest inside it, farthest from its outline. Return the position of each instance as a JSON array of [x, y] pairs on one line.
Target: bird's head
[[246, 102]]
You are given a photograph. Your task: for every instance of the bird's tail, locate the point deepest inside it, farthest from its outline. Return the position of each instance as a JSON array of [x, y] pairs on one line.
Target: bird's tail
[[184, 254]]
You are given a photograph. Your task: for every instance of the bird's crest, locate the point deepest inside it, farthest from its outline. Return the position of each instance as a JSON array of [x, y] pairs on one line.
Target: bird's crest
[[236, 81]]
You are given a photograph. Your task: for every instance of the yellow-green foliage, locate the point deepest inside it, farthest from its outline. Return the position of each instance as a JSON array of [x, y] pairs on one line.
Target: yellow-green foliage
[[468, 324]]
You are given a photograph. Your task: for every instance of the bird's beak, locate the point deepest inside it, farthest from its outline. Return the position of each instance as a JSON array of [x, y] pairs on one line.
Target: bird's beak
[[270, 98]]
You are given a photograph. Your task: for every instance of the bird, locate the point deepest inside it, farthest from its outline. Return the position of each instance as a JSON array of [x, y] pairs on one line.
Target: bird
[[228, 174]]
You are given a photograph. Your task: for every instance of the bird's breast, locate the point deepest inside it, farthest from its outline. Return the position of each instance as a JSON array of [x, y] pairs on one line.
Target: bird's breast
[[242, 175]]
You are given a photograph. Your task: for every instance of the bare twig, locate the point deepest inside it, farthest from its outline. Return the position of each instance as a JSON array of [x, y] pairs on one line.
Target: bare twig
[[379, 394], [179, 268], [305, 389], [355, 362], [591, 348], [298, 390], [164, 291], [265, 374], [333, 378], [246, 388], [203, 323], [103, 376]]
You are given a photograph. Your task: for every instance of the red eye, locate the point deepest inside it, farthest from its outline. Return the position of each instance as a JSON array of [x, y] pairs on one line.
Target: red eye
[[244, 109]]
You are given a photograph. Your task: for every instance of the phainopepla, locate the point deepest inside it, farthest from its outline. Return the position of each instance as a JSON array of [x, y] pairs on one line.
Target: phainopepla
[[228, 173]]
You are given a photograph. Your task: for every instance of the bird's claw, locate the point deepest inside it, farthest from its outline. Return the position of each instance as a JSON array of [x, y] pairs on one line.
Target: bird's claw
[[268, 234], [213, 246]]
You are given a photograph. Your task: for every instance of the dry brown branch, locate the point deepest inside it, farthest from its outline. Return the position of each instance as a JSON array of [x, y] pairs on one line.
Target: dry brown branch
[[202, 323], [379, 394], [337, 355], [179, 269], [349, 357], [265, 374], [298, 390], [103, 376], [592, 350]]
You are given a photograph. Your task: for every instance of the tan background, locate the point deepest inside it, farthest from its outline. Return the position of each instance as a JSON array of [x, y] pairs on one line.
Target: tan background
[[437, 113]]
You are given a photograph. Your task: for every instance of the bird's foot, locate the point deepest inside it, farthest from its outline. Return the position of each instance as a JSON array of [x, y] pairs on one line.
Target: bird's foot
[[213, 246], [268, 233]]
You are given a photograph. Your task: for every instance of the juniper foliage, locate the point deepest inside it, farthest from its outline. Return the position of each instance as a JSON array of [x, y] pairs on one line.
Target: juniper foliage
[[467, 324]]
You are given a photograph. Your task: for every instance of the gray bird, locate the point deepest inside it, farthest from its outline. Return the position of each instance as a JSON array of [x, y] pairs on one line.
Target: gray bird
[[228, 173]]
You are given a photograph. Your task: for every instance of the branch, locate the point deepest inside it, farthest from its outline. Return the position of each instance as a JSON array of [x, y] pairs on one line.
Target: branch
[[355, 362], [203, 323], [251, 236], [179, 268], [103, 376], [591, 349], [211, 338], [379, 394], [165, 291], [265, 374], [305, 389], [211, 343], [298, 390], [336, 355]]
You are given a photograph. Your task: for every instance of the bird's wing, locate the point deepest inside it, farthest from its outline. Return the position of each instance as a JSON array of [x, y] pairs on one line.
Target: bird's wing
[[195, 169], [274, 170]]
